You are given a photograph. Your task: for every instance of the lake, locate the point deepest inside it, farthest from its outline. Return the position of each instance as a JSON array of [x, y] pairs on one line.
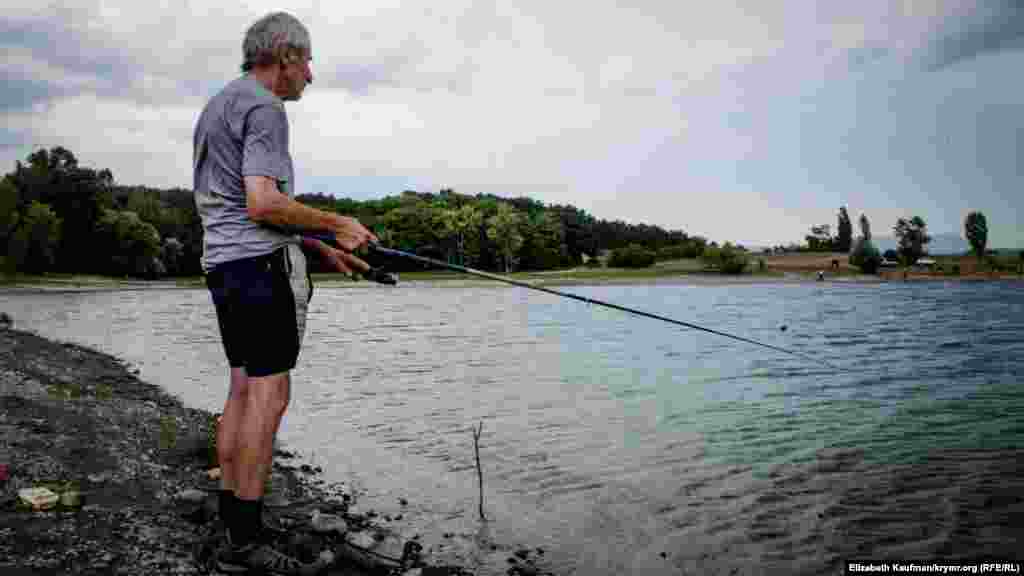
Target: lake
[[625, 445]]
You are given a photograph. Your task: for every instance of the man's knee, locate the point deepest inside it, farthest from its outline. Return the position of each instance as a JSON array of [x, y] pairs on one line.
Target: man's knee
[[239, 384], [270, 393]]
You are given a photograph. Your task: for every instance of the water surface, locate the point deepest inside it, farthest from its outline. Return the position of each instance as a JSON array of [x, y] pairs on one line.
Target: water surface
[[624, 445]]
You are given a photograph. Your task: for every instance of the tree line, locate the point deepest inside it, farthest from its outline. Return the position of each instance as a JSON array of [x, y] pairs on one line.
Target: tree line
[[59, 216], [911, 236]]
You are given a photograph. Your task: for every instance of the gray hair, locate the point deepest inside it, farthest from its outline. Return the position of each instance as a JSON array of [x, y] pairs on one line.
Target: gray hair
[[277, 37]]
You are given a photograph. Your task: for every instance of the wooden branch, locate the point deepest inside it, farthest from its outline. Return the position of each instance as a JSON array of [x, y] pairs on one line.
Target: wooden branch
[[479, 470]]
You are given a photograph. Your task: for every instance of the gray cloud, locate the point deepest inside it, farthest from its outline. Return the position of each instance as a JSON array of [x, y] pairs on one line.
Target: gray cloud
[[57, 51], [21, 93], [356, 79], [994, 26], [13, 139], [57, 59]]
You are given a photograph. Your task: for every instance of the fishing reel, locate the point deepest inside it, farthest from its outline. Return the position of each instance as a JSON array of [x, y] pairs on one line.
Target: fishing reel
[[378, 274]]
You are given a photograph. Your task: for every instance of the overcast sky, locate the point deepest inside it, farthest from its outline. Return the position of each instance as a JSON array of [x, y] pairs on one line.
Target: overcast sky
[[743, 121]]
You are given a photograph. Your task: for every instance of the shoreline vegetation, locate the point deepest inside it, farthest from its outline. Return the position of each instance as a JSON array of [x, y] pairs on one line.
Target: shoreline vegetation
[[69, 225], [75, 419], [787, 268]]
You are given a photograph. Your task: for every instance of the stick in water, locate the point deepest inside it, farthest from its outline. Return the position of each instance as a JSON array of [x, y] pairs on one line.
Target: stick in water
[[479, 470]]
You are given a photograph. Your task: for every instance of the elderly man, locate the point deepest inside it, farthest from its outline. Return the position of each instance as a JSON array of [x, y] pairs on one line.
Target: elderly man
[[255, 268]]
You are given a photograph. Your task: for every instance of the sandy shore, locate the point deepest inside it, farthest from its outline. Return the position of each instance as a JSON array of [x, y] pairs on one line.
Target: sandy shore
[[75, 418]]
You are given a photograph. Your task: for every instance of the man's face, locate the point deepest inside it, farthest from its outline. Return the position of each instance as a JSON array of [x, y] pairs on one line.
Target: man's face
[[295, 76]]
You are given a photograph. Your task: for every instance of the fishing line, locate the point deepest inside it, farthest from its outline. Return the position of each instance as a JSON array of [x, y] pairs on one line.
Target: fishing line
[[438, 263]]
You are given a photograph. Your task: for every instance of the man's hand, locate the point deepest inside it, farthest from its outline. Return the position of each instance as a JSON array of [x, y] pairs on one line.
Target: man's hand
[[343, 261], [336, 259], [352, 235]]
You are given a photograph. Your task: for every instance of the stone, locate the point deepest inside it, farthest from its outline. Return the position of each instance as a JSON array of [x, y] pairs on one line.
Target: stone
[[325, 523], [191, 495], [363, 539], [71, 499], [38, 498]]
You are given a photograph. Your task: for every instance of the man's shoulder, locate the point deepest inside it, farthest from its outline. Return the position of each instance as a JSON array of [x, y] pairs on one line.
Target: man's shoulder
[[243, 94], [251, 93]]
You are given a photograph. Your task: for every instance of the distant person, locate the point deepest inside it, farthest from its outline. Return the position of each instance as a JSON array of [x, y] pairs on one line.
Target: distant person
[[255, 268]]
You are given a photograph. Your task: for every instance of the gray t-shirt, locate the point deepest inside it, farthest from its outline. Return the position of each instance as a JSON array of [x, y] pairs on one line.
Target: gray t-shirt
[[243, 131]]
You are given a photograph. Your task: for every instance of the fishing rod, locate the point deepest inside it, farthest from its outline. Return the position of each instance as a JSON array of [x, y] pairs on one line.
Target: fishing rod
[[374, 247]]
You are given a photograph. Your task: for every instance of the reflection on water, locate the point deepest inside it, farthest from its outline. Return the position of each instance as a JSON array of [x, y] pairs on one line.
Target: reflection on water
[[626, 445]]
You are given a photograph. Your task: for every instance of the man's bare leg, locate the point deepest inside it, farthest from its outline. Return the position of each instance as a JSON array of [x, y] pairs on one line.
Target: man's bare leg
[[265, 404], [229, 430]]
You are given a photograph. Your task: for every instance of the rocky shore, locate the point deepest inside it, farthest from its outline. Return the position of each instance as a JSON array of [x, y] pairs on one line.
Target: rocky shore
[[77, 420]]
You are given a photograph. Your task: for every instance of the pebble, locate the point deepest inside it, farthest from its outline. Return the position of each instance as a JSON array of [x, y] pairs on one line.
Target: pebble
[[191, 495], [99, 478], [361, 539], [328, 523]]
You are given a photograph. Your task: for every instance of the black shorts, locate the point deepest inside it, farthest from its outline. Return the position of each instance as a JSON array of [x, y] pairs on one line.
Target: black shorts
[[261, 309]]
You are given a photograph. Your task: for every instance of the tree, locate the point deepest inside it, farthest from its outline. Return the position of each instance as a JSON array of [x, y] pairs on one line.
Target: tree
[[863, 253], [462, 222], [170, 255], [131, 246], [77, 195], [976, 231], [632, 256], [820, 238], [8, 211], [503, 228], [728, 259], [912, 236], [544, 245], [845, 238], [33, 245]]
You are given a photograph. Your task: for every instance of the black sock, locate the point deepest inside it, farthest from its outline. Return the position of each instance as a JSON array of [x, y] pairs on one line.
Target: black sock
[[247, 521], [225, 500]]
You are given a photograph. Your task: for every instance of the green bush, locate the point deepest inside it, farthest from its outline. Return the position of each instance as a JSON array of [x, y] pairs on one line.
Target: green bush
[[593, 263], [865, 256], [955, 271], [727, 259], [677, 252], [761, 265], [632, 256]]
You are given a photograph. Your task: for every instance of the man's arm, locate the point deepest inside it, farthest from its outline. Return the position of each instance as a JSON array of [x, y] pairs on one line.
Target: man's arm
[[267, 205]]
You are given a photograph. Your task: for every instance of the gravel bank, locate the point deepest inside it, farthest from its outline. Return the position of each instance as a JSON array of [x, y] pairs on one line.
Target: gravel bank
[[75, 418]]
